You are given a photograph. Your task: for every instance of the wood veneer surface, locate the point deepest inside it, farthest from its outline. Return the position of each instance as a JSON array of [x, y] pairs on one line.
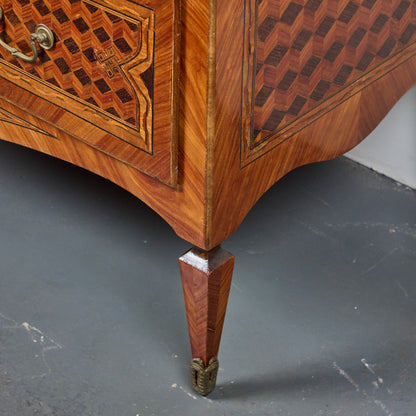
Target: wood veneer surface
[[240, 174], [104, 77], [181, 205], [220, 172]]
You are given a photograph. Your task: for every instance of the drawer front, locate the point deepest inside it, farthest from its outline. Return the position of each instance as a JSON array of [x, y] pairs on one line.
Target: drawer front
[[108, 80]]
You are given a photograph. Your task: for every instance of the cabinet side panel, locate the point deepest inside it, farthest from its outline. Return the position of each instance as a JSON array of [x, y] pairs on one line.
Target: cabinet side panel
[[243, 168], [302, 58]]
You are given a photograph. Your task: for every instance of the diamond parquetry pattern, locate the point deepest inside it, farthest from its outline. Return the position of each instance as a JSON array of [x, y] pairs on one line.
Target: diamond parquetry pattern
[[90, 46], [308, 50]]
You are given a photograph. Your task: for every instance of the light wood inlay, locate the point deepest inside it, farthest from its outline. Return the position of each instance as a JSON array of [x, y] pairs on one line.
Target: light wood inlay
[[303, 58], [105, 76], [219, 176], [218, 68]]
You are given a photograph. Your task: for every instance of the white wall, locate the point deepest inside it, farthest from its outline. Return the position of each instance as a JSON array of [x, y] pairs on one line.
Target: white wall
[[391, 148]]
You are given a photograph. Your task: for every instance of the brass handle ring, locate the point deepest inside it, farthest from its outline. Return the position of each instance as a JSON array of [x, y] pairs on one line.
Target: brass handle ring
[[43, 35]]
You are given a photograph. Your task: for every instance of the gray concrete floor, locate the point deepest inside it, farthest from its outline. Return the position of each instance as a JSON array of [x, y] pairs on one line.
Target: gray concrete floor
[[321, 318]]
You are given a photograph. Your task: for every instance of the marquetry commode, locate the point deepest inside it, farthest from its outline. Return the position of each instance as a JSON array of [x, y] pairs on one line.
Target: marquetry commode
[[198, 106]]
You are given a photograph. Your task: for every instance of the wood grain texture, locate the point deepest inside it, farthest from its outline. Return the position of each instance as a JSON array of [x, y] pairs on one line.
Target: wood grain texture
[[89, 58], [307, 51], [221, 172], [206, 281], [351, 117], [182, 206], [104, 77], [207, 166]]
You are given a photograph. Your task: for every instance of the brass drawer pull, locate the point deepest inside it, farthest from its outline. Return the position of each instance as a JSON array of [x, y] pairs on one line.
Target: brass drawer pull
[[43, 35]]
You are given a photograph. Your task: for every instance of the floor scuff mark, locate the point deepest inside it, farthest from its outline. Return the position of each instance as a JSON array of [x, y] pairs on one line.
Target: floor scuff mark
[[402, 289], [405, 228], [192, 396], [317, 231], [344, 374], [37, 337], [371, 399], [377, 263], [368, 366]]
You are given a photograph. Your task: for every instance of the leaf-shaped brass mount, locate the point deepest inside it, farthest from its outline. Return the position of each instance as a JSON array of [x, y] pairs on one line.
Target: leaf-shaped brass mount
[[204, 379]]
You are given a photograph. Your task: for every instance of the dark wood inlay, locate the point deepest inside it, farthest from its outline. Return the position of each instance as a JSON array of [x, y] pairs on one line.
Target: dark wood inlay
[[307, 51]]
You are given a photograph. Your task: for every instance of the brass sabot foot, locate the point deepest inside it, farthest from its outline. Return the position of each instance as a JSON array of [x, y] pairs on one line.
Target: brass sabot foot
[[204, 379]]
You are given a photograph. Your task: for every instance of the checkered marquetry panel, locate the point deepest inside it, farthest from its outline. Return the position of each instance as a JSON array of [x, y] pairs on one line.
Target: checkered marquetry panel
[[307, 50], [92, 43]]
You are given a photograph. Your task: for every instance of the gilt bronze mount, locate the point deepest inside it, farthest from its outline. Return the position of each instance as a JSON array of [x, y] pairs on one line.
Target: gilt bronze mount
[[204, 379]]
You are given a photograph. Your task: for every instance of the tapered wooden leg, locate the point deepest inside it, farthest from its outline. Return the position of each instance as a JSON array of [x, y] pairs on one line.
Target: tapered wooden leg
[[206, 280]]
